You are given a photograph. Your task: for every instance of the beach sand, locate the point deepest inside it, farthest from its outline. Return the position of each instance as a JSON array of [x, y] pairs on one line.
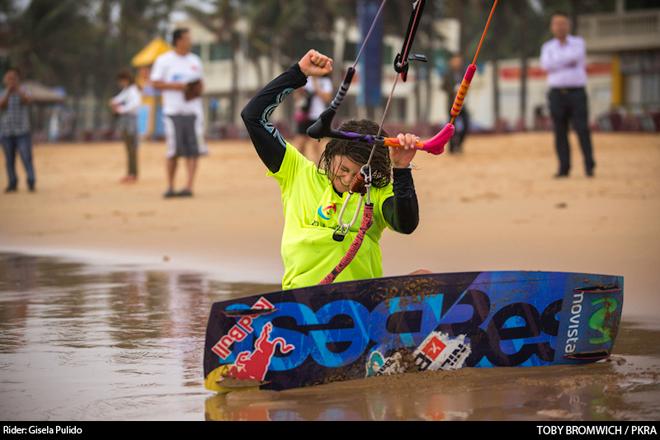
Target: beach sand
[[496, 207]]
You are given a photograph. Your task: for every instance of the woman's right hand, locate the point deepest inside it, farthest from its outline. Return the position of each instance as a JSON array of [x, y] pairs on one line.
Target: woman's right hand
[[314, 63]]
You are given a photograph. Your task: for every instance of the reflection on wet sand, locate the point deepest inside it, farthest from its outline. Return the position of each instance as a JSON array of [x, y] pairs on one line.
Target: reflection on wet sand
[[611, 390], [87, 342]]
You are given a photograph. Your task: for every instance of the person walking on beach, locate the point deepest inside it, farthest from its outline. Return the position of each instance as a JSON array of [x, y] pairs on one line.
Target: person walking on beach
[[125, 104], [451, 83], [15, 129], [564, 58], [178, 73]]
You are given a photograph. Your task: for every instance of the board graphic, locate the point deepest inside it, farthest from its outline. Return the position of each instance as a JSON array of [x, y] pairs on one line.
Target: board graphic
[[395, 325]]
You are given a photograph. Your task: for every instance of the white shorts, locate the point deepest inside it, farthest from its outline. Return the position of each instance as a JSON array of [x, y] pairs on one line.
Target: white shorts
[[184, 135]]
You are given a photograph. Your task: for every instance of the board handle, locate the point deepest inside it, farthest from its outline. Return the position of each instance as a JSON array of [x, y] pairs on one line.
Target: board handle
[[590, 356], [610, 289], [237, 313]]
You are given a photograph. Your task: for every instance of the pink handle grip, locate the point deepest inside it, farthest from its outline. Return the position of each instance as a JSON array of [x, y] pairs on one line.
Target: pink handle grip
[[436, 145]]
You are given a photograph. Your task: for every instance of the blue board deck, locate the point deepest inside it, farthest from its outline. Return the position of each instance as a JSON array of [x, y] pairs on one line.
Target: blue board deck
[[394, 325]]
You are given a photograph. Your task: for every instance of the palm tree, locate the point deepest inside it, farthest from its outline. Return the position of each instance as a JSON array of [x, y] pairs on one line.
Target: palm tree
[[50, 41], [222, 21], [139, 22], [79, 44], [522, 9], [282, 29]]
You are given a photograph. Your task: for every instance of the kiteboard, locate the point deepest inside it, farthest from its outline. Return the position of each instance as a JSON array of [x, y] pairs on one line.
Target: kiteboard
[[406, 324]]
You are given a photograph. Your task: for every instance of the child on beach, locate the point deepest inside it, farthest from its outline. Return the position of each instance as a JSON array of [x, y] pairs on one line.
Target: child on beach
[[125, 104], [313, 194]]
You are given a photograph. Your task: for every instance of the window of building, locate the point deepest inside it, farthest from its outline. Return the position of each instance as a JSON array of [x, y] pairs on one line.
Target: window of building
[[219, 52]]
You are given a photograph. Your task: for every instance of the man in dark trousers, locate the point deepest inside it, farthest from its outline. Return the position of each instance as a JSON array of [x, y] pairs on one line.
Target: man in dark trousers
[[451, 82], [15, 129], [564, 58]]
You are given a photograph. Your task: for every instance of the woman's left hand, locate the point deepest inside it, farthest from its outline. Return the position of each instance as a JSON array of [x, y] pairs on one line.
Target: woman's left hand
[[402, 156]]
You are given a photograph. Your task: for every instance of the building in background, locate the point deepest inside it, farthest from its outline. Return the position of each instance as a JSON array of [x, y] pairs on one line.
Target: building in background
[[623, 68], [630, 37]]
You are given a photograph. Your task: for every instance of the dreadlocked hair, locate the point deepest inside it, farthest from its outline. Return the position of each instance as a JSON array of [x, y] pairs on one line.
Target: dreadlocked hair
[[358, 152]]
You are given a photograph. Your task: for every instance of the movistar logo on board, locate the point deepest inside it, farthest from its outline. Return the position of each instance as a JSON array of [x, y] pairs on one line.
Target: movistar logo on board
[[599, 321], [574, 323], [325, 212]]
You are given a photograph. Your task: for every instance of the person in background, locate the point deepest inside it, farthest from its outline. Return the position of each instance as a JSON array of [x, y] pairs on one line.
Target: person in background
[[311, 101], [451, 83], [564, 58], [125, 104], [178, 73], [15, 129]]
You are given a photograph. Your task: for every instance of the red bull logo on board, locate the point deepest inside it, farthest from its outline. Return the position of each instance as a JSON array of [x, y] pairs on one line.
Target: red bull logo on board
[[254, 365], [239, 331]]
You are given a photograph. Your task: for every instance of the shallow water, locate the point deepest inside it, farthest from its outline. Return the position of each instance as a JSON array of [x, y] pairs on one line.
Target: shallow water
[[97, 342]]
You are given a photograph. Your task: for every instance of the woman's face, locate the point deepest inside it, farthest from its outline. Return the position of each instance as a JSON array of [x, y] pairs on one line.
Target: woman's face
[[343, 172]]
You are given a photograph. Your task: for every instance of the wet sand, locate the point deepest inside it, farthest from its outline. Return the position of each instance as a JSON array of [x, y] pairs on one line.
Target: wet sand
[[494, 208], [627, 387], [117, 342]]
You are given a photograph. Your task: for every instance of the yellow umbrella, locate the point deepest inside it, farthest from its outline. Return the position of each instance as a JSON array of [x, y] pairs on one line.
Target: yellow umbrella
[[148, 55]]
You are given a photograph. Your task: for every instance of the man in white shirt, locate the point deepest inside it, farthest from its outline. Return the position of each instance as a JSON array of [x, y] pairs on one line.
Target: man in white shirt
[[179, 75], [564, 58]]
